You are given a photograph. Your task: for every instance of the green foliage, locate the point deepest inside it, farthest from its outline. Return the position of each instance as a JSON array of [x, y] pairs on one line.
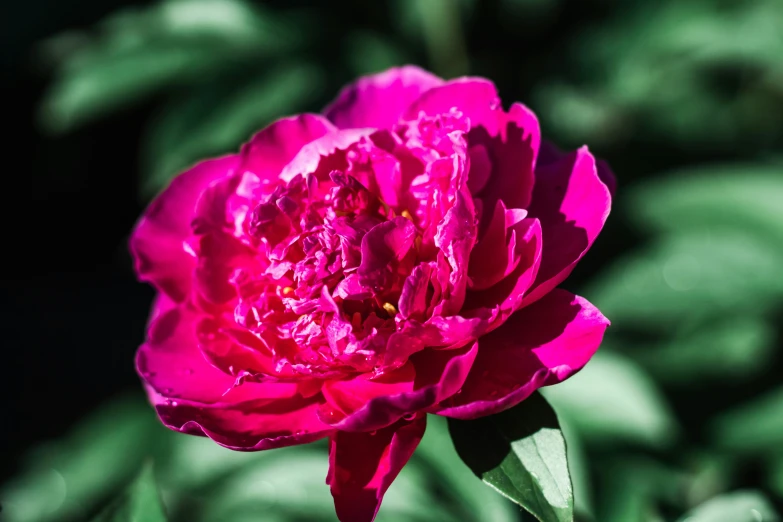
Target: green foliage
[[702, 73], [521, 453], [140, 502], [213, 120], [64, 479], [613, 400], [138, 52], [755, 426], [739, 506], [200, 481]]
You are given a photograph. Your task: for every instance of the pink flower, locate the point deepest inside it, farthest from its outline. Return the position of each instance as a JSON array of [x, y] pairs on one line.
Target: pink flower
[[345, 274]]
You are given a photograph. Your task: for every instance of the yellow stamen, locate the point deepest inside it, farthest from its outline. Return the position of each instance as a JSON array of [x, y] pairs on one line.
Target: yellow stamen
[[288, 290], [390, 309], [417, 243], [406, 214]]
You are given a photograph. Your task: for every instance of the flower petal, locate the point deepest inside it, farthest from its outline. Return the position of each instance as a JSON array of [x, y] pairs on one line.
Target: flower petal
[[274, 147], [246, 426], [542, 344], [512, 152], [503, 146], [380, 99], [308, 159], [158, 243], [438, 375], [362, 466], [507, 295], [192, 396], [572, 204]]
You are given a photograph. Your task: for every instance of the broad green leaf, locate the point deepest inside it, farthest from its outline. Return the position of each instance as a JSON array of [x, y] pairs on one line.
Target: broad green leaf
[[755, 426], [742, 197], [714, 271], [474, 503], [140, 503], [521, 453], [578, 469], [217, 120], [611, 400], [65, 479], [738, 506], [730, 348]]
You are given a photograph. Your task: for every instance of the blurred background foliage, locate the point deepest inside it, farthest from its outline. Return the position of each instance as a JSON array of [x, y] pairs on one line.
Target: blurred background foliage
[[680, 415]]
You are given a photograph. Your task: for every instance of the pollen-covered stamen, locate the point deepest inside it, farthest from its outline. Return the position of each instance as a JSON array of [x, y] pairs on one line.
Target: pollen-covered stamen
[[390, 309]]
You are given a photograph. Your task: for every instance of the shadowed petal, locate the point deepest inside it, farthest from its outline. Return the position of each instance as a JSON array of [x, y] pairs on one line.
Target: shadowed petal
[[503, 146], [572, 204], [542, 344], [508, 294], [363, 465], [379, 100]]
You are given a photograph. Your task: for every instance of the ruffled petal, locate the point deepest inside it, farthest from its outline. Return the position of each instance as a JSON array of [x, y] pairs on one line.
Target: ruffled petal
[[507, 295], [476, 98], [362, 466], [379, 100], [572, 204], [192, 396], [503, 146], [496, 255], [542, 344], [159, 242], [308, 159], [274, 147], [438, 374], [246, 426]]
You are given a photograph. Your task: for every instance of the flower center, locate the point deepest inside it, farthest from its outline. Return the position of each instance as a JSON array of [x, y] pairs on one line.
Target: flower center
[[335, 259]]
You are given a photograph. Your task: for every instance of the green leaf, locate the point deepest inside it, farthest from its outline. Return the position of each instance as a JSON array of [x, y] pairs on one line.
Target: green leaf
[[713, 271], [141, 502], [745, 198], [471, 502], [521, 453], [738, 506], [756, 426], [66, 479], [611, 400], [216, 120], [138, 52], [578, 469]]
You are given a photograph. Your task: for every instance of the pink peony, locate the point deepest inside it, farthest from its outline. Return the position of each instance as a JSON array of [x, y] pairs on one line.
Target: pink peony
[[345, 274]]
